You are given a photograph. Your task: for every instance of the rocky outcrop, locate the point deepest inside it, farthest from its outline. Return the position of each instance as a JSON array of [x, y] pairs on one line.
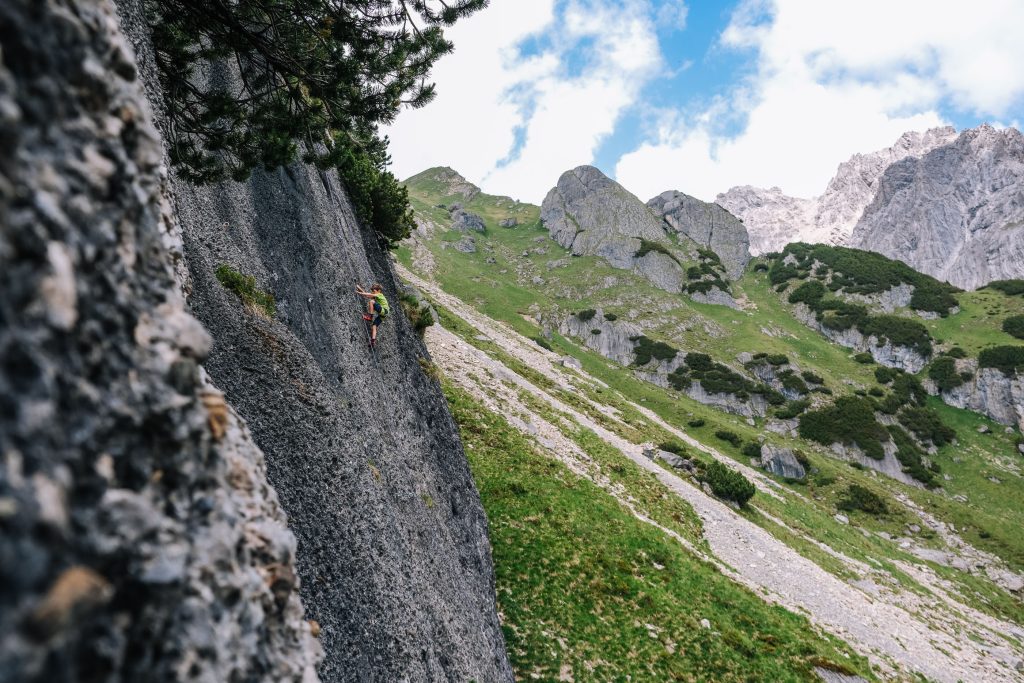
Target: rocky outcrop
[[617, 341], [889, 465], [782, 462], [465, 221], [393, 557], [141, 540], [590, 214], [612, 339], [988, 391], [774, 219], [709, 225], [886, 353], [715, 296], [956, 213]]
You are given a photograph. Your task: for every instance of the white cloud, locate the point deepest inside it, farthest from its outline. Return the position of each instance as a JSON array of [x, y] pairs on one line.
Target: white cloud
[[512, 121], [472, 122], [834, 79], [673, 14]]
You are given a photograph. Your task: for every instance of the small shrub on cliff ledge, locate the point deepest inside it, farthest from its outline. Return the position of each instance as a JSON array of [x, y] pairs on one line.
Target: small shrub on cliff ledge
[[418, 312], [1008, 359], [245, 287]]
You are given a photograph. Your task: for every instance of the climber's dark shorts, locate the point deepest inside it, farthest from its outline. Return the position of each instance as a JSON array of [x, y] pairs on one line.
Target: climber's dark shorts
[[377, 320]]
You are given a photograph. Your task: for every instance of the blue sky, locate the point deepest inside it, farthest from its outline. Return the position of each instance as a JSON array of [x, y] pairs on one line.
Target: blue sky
[[702, 96]]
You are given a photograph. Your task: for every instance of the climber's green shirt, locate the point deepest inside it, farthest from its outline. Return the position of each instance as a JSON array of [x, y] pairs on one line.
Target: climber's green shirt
[[382, 300]]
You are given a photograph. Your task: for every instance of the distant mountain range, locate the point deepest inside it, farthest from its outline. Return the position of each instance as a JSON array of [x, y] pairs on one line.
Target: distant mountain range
[[950, 205]]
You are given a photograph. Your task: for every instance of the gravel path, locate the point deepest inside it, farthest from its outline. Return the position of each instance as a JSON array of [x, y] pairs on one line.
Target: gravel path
[[897, 630]]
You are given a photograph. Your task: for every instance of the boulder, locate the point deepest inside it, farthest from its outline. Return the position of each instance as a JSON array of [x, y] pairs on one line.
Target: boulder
[[781, 462], [508, 222], [464, 221]]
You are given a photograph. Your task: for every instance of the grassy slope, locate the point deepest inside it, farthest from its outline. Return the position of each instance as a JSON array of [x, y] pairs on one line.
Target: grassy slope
[[991, 518], [586, 588]]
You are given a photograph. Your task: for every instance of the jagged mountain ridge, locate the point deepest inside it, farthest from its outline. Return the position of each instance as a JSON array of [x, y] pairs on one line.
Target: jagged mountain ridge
[[956, 212], [775, 219], [948, 204]]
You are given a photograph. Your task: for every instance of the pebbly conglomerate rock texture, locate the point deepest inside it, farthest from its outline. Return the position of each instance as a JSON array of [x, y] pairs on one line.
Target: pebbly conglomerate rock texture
[[393, 554], [955, 213], [139, 538]]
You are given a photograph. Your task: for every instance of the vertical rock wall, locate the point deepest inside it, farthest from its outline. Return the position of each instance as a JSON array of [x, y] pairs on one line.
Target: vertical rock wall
[[393, 554]]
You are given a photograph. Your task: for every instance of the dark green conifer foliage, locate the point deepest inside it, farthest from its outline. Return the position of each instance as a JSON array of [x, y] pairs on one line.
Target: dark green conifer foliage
[[312, 79]]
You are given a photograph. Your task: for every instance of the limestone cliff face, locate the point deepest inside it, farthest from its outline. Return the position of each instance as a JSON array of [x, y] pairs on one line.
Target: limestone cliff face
[[141, 540], [617, 340], [149, 539], [956, 213], [887, 353], [709, 225], [989, 391]]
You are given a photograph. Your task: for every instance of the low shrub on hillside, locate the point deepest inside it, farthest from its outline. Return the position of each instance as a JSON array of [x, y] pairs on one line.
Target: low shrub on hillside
[[716, 378], [610, 317], [943, 372], [864, 357], [586, 314], [792, 409], [849, 421], [862, 272], [1008, 359], [245, 287], [899, 331], [752, 450], [811, 377], [729, 437], [777, 359], [911, 457], [595, 331], [696, 423], [542, 343], [727, 483], [1014, 326], [1008, 287], [955, 352], [646, 247], [856, 497], [792, 382], [672, 447], [884, 375], [645, 349], [926, 425]]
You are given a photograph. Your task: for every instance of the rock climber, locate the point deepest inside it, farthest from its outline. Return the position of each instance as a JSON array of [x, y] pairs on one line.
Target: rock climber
[[377, 309]]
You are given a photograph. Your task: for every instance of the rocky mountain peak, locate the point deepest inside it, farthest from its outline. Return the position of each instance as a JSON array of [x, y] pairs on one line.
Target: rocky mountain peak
[[774, 219], [956, 213], [589, 213], [709, 225]]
